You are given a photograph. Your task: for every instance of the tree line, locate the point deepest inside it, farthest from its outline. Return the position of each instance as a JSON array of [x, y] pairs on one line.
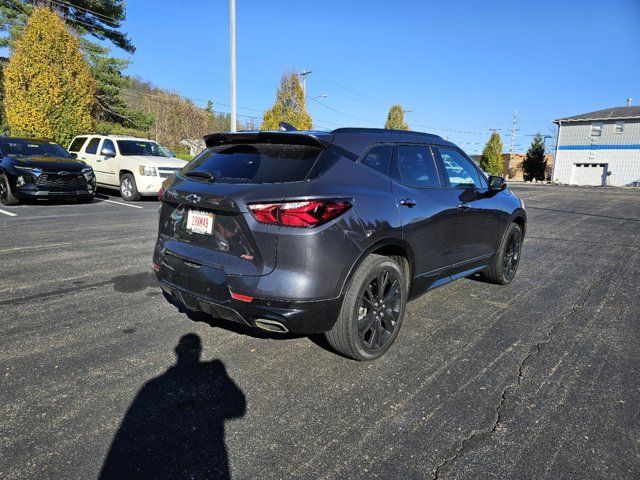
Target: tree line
[[60, 82]]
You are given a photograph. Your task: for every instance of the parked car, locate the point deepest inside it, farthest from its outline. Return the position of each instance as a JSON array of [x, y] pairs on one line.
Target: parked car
[[137, 167], [333, 232], [33, 168]]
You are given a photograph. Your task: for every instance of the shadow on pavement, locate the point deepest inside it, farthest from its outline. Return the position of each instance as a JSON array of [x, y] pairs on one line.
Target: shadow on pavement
[[174, 428]]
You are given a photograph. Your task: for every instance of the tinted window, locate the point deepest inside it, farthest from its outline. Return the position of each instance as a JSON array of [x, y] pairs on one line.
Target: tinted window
[[139, 147], [379, 158], [257, 163], [109, 144], [92, 146], [416, 166], [77, 144], [21, 148], [461, 172]]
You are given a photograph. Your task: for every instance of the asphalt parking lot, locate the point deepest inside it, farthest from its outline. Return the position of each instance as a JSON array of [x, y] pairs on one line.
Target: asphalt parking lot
[[540, 379]]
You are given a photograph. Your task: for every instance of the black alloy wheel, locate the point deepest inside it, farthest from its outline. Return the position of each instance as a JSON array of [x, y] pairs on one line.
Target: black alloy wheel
[[372, 310], [379, 311], [512, 254], [505, 265]]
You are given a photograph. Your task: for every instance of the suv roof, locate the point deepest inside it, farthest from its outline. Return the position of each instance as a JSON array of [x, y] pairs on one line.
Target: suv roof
[[385, 131], [354, 140], [118, 137]]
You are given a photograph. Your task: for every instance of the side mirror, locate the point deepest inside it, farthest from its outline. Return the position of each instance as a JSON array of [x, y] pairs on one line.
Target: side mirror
[[107, 152], [73, 155], [497, 184]]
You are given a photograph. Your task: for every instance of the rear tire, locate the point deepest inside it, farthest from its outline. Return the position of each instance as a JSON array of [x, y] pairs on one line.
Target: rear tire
[[128, 188], [7, 197], [372, 310], [504, 267]]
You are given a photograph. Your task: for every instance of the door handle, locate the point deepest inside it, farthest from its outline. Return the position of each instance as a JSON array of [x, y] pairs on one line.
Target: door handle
[[408, 202], [463, 206]]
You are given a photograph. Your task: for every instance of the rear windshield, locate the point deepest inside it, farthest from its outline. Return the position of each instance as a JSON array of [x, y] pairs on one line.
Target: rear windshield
[[255, 163], [22, 148]]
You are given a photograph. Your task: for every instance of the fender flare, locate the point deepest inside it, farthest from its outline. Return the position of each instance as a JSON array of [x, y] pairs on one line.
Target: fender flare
[[521, 215], [396, 242]]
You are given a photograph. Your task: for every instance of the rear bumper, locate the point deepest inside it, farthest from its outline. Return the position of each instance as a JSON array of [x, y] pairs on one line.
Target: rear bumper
[[213, 297]]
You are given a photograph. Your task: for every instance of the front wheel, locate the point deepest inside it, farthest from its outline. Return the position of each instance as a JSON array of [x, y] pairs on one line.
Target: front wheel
[[6, 195], [128, 188], [372, 310], [505, 265]]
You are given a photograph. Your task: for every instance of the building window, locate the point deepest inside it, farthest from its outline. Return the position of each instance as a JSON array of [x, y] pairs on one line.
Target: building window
[[596, 129], [619, 128]]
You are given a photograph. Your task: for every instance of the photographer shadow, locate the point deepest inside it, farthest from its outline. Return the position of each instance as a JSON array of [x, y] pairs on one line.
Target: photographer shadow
[[174, 428]]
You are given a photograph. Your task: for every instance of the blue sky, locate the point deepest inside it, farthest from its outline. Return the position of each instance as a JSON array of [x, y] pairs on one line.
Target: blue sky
[[457, 65]]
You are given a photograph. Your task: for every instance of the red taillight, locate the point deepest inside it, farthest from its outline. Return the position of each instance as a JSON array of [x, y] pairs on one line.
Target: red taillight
[[156, 267], [299, 214], [265, 212], [239, 296], [161, 193]]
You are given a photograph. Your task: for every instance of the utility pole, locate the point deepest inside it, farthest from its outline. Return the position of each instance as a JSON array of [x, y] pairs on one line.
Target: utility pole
[[232, 47], [513, 139], [304, 75], [513, 133]]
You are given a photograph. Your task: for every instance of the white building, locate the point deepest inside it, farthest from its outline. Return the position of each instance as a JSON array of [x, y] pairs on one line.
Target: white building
[[599, 148]]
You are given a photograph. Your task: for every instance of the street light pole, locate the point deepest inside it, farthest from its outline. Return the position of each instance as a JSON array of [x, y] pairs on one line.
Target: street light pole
[[232, 46], [304, 74]]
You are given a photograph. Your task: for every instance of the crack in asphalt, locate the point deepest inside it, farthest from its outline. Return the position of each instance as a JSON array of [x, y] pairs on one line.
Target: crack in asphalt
[[499, 409]]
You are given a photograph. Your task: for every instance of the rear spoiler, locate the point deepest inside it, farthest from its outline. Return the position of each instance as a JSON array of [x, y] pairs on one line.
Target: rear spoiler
[[314, 139]]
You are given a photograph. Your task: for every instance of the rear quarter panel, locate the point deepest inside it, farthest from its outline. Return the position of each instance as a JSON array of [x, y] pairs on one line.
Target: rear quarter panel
[[320, 260]]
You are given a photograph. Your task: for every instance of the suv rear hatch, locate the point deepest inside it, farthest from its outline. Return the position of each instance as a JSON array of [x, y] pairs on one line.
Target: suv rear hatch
[[204, 218]]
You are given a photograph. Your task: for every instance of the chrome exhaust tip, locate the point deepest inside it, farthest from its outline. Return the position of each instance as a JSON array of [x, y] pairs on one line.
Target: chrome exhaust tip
[[270, 325]]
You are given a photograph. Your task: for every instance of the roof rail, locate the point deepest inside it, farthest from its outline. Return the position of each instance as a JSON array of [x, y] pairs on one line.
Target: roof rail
[[383, 131]]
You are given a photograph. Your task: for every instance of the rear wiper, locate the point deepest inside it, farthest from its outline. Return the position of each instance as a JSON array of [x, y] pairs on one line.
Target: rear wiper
[[208, 176]]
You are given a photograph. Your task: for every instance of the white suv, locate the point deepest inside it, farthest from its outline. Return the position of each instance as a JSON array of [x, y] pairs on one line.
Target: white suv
[[134, 165]]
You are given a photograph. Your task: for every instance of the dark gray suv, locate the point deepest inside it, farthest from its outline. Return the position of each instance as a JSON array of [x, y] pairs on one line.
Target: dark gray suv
[[309, 232]]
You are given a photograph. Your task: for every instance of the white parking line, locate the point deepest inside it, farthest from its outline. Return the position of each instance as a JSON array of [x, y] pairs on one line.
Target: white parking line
[[8, 213], [120, 203]]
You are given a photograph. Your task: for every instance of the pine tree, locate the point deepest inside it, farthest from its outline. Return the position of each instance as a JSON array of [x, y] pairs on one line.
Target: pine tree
[[491, 160], [289, 107], [535, 162], [395, 119], [100, 19], [48, 84]]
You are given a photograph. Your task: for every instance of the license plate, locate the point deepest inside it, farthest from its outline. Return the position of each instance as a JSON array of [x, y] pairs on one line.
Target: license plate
[[200, 222]]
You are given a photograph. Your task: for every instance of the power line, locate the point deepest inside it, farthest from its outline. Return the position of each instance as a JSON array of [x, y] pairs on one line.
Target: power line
[[156, 97], [194, 99], [343, 113], [77, 7], [154, 33]]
